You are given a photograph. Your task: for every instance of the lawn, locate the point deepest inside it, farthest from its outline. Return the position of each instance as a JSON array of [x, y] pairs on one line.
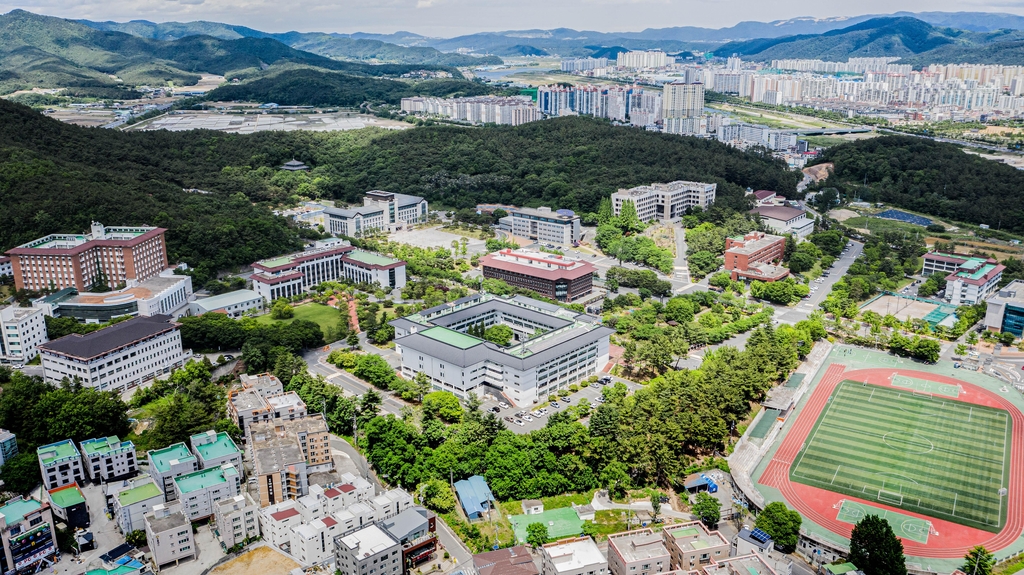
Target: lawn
[[323, 315], [561, 523], [919, 452], [515, 507]]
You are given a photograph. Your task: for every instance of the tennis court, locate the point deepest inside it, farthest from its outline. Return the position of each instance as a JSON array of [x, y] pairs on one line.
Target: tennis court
[[904, 526], [561, 523], [900, 307], [912, 450]]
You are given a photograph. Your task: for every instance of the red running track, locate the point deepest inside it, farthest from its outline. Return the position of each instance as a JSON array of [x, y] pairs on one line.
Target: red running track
[[954, 540]]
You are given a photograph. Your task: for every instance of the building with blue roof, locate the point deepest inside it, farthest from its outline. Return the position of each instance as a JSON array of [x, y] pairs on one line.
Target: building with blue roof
[[474, 496]]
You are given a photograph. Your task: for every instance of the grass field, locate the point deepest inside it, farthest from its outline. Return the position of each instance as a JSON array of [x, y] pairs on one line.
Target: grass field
[[560, 522], [904, 526], [918, 452], [323, 315]]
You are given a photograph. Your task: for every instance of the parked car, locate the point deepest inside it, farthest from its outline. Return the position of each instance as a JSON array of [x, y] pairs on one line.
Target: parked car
[[527, 418], [519, 422], [495, 409], [554, 404], [502, 405]]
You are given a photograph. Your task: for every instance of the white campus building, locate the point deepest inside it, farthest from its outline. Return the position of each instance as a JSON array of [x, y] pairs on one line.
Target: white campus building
[[165, 294], [560, 227], [22, 331], [381, 210], [665, 202], [552, 347], [288, 275], [233, 304], [118, 357], [785, 220]]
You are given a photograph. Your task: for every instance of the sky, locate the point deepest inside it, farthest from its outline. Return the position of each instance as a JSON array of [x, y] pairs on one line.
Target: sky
[[448, 18]]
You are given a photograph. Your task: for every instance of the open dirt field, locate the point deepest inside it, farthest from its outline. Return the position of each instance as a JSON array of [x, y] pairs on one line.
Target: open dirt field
[[205, 84], [263, 560], [1001, 130], [900, 307], [843, 215], [435, 238], [249, 123]]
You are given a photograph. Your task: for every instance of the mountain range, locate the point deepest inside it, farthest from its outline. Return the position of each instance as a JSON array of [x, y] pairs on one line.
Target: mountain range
[[914, 41]]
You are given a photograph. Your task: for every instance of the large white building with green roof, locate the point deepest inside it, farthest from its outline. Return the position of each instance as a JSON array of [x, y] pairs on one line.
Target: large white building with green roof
[[214, 449], [199, 491], [551, 348], [170, 462], [60, 463], [109, 458]]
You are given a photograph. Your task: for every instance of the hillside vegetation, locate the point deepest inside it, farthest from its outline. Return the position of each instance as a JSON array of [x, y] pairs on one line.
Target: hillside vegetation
[[931, 178], [915, 41]]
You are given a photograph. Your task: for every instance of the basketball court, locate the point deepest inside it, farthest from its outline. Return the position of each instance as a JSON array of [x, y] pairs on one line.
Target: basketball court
[[900, 307]]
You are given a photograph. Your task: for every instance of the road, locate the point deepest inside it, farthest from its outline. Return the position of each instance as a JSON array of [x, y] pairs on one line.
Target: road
[[792, 315], [317, 362]]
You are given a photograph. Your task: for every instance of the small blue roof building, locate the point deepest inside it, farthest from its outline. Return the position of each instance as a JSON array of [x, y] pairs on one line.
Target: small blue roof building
[[474, 496]]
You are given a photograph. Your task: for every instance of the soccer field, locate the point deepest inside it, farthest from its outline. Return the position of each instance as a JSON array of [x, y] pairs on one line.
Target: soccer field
[[945, 459]]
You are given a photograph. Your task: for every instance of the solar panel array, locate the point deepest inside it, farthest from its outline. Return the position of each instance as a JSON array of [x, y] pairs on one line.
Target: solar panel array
[[759, 536]]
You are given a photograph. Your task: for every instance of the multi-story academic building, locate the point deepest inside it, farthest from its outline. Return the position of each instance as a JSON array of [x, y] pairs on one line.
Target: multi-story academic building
[[560, 227], [22, 331], [750, 257], [665, 202], [291, 274], [550, 275], [380, 211], [110, 257], [551, 347]]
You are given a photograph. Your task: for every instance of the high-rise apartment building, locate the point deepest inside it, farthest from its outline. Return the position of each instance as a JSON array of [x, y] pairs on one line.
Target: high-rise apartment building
[[644, 59], [683, 108], [108, 257]]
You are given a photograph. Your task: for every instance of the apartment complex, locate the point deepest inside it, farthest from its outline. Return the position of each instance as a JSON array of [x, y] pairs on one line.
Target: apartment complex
[[639, 106], [683, 108], [289, 275], [576, 556], [131, 504], [665, 202], [552, 347], [232, 304], [118, 357], [109, 458], [22, 331], [247, 406], [199, 491], [784, 220], [640, 552], [164, 294], [285, 452], [1005, 311], [501, 110], [644, 59], [169, 535], [107, 257], [560, 227], [583, 64], [60, 464], [170, 462], [754, 255], [384, 211], [692, 546], [554, 276], [369, 548], [29, 536], [214, 449], [237, 519]]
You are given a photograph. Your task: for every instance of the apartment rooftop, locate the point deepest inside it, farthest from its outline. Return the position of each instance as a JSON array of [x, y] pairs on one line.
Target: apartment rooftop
[[206, 478], [147, 490], [286, 400], [743, 565], [638, 545], [67, 496], [166, 522], [105, 445], [163, 459], [55, 452], [574, 554], [695, 537], [222, 446], [272, 451], [17, 509], [247, 399], [366, 542]]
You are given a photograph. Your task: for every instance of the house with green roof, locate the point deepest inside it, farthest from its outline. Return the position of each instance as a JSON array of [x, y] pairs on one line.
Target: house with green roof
[[23, 520], [214, 449], [60, 464], [68, 505], [199, 491], [170, 462], [109, 458], [135, 499]]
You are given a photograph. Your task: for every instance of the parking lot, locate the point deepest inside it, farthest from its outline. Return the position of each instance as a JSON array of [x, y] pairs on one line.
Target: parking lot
[[436, 238], [592, 392]]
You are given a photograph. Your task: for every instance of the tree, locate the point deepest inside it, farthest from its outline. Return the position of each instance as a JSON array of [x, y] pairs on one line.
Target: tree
[[629, 221], [500, 334], [136, 538], [707, 509], [369, 406], [874, 548], [375, 370], [782, 524], [352, 340], [615, 478], [282, 310], [655, 505], [20, 474], [801, 262], [438, 496], [978, 561], [536, 534], [421, 385], [443, 405]]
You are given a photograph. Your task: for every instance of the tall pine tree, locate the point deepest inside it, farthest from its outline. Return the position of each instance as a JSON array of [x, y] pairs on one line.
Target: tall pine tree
[[874, 548]]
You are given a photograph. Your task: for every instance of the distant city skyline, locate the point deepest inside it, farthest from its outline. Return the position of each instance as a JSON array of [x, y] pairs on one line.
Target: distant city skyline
[[448, 18]]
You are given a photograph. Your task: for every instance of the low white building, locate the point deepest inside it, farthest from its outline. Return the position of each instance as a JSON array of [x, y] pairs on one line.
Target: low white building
[[380, 211], [313, 543], [22, 331], [237, 519], [170, 462], [368, 548], [277, 520], [291, 274], [60, 464], [214, 449], [352, 489], [1005, 310], [232, 304], [577, 556], [546, 226], [109, 458], [169, 535], [118, 357], [665, 202], [785, 220], [287, 406], [135, 499], [199, 491], [640, 552], [165, 294], [974, 282]]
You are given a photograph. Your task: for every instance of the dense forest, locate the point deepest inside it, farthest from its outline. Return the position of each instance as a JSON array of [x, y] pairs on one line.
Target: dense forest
[[309, 87], [930, 177]]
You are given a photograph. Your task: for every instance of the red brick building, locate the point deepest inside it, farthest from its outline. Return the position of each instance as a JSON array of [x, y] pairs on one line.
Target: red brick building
[[751, 257], [550, 275], [109, 256]]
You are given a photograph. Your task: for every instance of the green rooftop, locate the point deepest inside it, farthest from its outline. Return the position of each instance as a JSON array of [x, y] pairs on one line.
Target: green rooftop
[[686, 532], [279, 261], [841, 568], [48, 454], [451, 337], [15, 511], [119, 570], [977, 274], [161, 458], [699, 544], [139, 493], [370, 259], [222, 447], [67, 496], [206, 478], [104, 445]]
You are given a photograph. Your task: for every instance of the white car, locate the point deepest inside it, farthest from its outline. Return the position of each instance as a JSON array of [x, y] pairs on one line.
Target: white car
[[527, 418], [519, 422], [502, 405]]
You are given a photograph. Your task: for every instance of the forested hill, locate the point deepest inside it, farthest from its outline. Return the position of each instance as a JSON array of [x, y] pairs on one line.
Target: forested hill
[[56, 178], [932, 178]]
